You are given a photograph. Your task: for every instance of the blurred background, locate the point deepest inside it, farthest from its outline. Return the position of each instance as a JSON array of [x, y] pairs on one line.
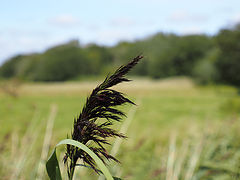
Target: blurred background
[[53, 53]]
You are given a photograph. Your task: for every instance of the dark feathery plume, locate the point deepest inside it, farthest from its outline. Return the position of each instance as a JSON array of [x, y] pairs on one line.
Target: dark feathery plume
[[99, 105]]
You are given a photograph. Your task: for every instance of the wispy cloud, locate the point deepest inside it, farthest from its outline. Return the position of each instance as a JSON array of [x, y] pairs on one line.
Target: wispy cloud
[[123, 22], [235, 19], [65, 20], [181, 16], [191, 30]]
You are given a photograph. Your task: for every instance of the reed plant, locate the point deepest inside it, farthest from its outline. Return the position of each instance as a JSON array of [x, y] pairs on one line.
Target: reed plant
[[93, 127]]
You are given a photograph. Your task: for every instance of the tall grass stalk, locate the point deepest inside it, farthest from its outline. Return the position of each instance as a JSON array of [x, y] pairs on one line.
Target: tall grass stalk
[[20, 163], [31, 128], [171, 157], [14, 144], [179, 163], [26, 145], [47, 141], [194, 160]]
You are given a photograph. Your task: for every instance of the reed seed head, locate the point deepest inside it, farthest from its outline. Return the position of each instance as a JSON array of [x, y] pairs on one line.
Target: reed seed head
[[93, 125]]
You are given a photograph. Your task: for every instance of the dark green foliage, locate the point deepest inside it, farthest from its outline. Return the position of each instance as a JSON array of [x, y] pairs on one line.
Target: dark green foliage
[[27, 67], [61, 63], [188, 50], [180, 56], [99, 59], [228, 64], [9, 68], [205, 70], [166, 54]]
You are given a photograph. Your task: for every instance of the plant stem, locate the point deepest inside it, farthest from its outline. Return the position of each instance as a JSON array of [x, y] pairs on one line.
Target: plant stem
[[71, 172], [72, 165]]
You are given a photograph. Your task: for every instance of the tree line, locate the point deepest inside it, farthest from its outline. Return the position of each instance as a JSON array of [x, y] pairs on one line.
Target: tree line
[[207, 59]]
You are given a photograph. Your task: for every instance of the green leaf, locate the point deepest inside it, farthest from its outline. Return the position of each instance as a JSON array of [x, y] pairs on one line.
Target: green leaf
[[52, 167], [53, 164]]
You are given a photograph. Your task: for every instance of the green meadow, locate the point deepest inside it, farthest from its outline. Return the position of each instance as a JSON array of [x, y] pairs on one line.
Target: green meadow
[[178, 130]]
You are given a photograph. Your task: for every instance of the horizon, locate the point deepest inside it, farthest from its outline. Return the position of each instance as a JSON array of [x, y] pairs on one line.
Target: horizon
[[32, 27]]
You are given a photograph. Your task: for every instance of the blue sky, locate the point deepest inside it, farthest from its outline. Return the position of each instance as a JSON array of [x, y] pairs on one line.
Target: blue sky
[[32, 26]]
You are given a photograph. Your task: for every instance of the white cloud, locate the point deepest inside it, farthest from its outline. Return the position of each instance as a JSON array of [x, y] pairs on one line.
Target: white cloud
[[123, 21], [126, 22], [235, 19], [191, 30], [181, 16], [65, 20], [232, 20]]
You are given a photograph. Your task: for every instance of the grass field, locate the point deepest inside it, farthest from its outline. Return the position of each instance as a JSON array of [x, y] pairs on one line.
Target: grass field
[[177, 130]]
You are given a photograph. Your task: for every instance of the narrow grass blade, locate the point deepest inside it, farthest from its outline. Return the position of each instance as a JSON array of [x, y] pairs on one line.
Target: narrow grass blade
[[180, 161], [171, 157], [26, 146], [54, 165], [194, 160], [47, 141]]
